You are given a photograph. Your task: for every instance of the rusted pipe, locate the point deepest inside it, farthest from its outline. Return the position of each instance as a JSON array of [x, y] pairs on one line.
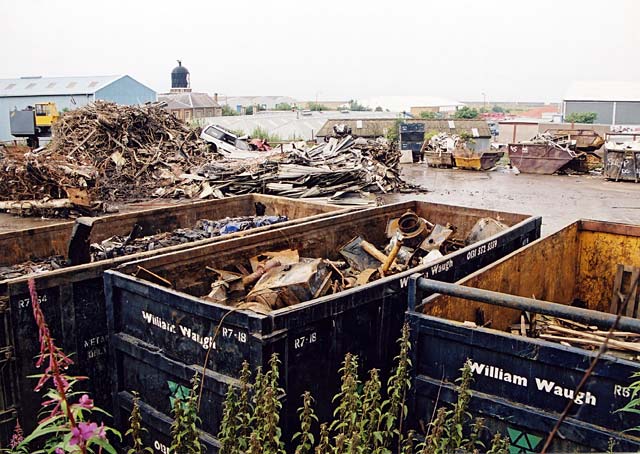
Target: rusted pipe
[[392, 256], [373, 251], [262, 269], [409, 223]]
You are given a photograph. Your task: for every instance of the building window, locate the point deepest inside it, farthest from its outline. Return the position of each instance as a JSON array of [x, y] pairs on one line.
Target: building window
[[187, 115]]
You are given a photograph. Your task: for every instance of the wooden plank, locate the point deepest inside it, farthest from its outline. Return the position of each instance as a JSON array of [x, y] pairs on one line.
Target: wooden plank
[[632, 306], [580, 334], [617, 284]]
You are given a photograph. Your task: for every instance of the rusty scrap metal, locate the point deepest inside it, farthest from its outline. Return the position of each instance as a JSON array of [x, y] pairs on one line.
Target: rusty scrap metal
[[118, 246], [331, 169], [280, 279]]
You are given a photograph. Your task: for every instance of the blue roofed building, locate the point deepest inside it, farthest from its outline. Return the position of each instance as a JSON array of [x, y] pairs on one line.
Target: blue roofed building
[[68, 93]]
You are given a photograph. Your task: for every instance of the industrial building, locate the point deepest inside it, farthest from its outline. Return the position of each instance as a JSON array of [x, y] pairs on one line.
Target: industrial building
[[185, 103], [615, 103], [240, 104], [67, 93], [414, 104]]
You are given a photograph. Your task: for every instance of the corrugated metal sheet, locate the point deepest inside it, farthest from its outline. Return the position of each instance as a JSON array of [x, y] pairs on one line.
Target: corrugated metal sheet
[[51, 86], [603, 109], [628, 113], [286, 127], [126, 90]]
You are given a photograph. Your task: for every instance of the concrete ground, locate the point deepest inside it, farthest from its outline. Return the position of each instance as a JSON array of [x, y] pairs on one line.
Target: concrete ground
[[559, 199]]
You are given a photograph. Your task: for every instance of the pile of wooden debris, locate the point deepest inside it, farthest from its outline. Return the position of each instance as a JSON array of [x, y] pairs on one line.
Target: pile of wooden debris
[[107, 151], [574, 334]]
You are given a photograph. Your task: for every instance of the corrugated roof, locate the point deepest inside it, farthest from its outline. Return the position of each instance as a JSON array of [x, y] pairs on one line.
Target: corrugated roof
[[586, 90], [379, 127], [188, 100], [246, 101], [49, 86]]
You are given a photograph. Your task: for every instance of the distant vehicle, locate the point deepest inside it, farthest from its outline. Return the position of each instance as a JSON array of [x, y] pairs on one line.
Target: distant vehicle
[[33, 122], [341, 130], [306, 112], [345, 111], [223, 140], [493, 127]]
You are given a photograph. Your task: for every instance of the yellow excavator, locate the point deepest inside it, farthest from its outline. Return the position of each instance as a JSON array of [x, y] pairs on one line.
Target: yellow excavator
[[34, 122]]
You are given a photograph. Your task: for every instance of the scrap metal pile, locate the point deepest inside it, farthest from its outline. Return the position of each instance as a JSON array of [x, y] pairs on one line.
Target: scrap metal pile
[[118, 246], [32, 266], [438, 150], [333, 169], [277, 279], [559, 141], [444, 142]]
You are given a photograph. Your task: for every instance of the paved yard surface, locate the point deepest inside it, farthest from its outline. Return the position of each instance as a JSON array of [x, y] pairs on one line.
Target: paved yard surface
[[559, 199]]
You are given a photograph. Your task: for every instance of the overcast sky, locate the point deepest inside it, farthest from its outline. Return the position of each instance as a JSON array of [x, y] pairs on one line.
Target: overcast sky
[[508, 49]]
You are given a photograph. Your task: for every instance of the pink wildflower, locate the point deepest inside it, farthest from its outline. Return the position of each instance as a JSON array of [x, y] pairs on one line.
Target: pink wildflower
[[85, 402], [18, 436], [83, 432]]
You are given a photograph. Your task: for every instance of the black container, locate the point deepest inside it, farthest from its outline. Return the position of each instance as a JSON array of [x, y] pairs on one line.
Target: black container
[[72, 298], [412, 137], [413, 146], [411, 127], [521, 383], [171, 326], [622, 164]]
